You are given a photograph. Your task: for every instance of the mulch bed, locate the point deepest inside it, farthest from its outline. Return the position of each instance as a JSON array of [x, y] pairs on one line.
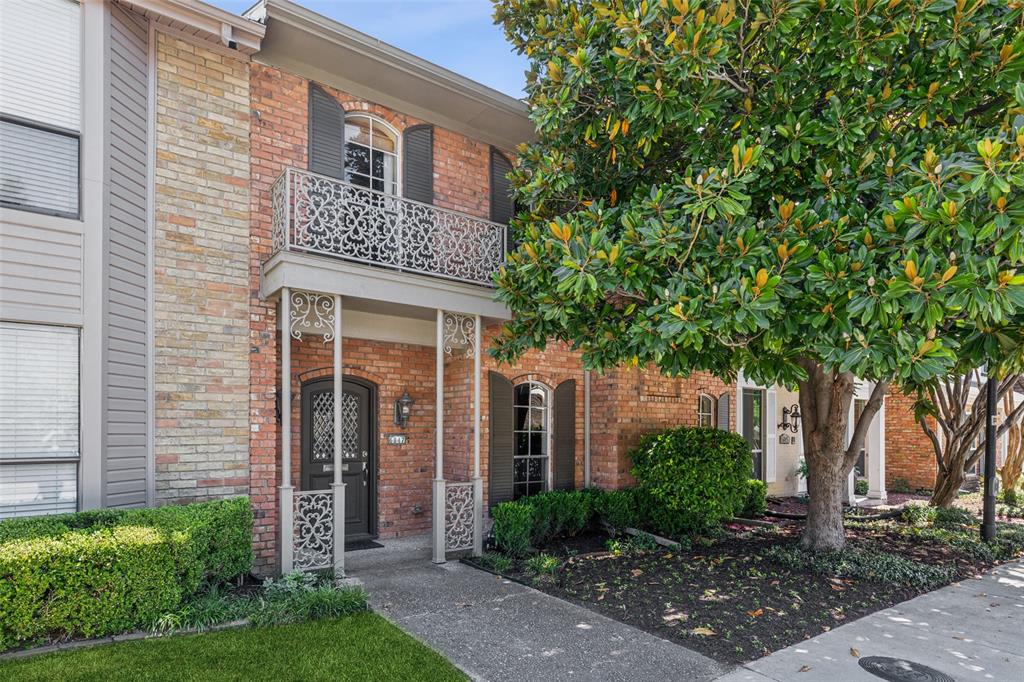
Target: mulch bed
[[726, 600]]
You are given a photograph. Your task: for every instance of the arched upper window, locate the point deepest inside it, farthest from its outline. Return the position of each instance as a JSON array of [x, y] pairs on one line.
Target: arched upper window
[[531, 432], [706, 411], [371, 153]]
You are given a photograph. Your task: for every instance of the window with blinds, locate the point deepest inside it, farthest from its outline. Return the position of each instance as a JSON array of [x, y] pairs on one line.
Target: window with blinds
[[40, 105], [39, 431]]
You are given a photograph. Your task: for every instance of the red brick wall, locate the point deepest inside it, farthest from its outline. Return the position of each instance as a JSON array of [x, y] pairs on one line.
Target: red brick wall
[[404, 472], [630, 402], [908, 452], [279, 139]]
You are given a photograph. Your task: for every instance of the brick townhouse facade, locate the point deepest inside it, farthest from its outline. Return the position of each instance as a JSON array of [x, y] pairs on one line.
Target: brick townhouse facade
[[295, 180]]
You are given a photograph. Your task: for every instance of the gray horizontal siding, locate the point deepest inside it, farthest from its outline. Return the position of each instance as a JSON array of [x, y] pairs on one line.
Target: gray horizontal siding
[[126, 423], [40, 270]]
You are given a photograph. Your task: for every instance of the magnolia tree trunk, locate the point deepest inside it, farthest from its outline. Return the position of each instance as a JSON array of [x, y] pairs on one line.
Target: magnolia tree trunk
[[830, 448], [1012, 467]]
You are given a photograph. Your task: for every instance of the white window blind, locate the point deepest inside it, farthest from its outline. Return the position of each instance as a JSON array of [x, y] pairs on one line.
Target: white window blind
[[40, 61], [38, 169], [39, 404]]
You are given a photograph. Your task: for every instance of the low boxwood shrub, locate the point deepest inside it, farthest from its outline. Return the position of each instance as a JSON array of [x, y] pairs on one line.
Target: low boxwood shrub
[[755, 503], [690, 479], [617, 508], [513, 527], [99, 573], [559, 513]]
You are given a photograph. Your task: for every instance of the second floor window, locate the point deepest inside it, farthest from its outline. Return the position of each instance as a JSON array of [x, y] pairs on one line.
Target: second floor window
[[40, 111], [371, 154]]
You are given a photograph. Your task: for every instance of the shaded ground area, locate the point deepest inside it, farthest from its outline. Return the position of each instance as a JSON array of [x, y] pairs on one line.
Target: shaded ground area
[[970, 631], [751, 592], [360, 647], [496, 629]]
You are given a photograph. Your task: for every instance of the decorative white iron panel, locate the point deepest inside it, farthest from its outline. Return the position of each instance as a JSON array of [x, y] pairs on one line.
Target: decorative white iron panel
[[459, 332], [323, 426], [313, 533], [318, 214], [312, 312], [458, 516]]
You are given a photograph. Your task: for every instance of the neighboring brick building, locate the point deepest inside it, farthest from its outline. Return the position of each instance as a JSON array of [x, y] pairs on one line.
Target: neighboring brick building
[[291, 178]]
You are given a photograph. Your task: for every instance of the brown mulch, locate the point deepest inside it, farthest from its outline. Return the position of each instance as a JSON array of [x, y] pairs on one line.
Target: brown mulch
[[726, 600]]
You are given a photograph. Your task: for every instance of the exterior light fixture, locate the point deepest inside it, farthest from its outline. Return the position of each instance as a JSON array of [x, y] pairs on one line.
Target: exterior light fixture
[[790, 419], [403, 409]]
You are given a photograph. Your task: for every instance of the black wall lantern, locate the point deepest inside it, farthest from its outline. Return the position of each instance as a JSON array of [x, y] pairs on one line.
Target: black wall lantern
[[403, 409], [790, 419]]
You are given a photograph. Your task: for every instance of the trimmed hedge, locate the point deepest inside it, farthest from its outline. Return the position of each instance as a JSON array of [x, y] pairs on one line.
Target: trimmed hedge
[[102, 572], [755, 503], [513, 527], [690, 480]]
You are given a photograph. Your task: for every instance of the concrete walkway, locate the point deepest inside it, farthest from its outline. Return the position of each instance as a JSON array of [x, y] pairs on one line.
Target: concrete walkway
[[498, 630], [973, 630]]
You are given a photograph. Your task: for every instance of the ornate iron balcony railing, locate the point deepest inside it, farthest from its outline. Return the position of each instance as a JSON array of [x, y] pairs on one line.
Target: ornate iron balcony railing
[[318, 214]]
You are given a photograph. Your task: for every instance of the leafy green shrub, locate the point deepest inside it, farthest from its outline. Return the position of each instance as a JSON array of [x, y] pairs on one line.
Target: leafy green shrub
[[918, 514], [513, 527], [953, 518], [618, 509], [756, 501], [499, 563], [559, 513], [860, 486], [1010, 497], [900, 485], [543, 564], [690, 479], [99, 573]]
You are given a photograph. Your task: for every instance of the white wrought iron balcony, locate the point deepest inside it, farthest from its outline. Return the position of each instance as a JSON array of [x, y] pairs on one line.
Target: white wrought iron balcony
[[321, 215]]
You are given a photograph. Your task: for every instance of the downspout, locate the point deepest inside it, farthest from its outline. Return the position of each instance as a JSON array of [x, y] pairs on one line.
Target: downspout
[[586, 428]]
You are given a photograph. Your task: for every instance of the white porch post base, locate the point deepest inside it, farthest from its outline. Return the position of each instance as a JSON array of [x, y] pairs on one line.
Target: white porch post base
[[876, 456], [286, 495], [478, 516], [439, 522], [338, 489]]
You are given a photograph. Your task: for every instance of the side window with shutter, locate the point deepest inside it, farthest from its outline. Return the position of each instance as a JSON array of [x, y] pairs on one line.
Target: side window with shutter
[[564, 463], [723, 412], [326, 134], [499, 469], [502, 206], [418, 172]]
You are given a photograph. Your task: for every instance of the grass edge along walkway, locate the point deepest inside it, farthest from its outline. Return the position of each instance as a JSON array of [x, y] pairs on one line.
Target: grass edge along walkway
[[364, 646]]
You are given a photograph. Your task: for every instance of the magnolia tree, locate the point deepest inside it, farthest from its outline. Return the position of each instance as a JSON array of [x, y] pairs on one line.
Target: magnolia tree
[[807, 192]]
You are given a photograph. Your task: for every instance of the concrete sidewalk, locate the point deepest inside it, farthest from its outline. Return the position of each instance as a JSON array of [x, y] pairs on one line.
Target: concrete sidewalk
[[498, 630], [973, 630]]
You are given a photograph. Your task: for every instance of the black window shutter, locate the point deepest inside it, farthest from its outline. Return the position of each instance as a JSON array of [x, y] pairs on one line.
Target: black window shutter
[[418, 161], [564, 462], [499, 469], [723, 412], [326, 134], [501, 188]]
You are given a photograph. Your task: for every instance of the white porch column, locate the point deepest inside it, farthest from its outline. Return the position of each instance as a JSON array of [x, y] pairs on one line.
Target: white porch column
[[439, 493], [876, 456], [286, 492], [478, 481], [337, 487]]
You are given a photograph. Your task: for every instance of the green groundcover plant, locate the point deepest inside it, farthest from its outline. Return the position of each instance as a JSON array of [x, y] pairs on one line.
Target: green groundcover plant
[[99, 573]]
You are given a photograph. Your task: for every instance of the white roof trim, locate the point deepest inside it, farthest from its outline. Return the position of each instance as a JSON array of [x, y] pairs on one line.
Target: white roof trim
[[208, 22]]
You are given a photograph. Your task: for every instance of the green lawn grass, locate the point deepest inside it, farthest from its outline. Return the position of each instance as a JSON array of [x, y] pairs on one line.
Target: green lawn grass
[[358, 647]]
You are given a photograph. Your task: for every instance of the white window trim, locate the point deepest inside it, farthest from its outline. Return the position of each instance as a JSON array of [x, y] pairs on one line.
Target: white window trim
[[548, 428], [712, 417], [770, 436], [374, 121]]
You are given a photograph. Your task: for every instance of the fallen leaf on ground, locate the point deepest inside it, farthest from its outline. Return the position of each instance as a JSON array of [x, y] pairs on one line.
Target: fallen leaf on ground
[[755, 614], [804, 668], [854, 652], [703, 632]]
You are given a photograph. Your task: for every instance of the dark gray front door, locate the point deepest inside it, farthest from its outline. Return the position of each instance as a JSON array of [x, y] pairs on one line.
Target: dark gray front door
[[753, 428], [358, 465]]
